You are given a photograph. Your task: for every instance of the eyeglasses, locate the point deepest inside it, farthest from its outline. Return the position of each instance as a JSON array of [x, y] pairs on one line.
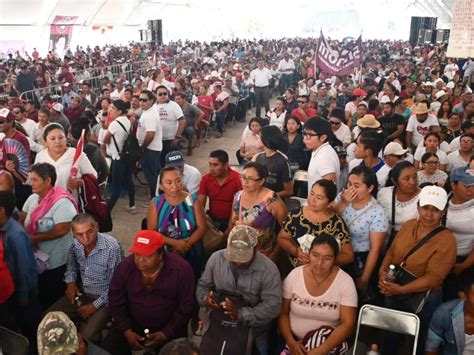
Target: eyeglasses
[[3, 121], [334, 123], [16, 112], [142, 100], [301, 101], [465, 141], [249, 179], [162, 94], [308, 135], [431, 162]]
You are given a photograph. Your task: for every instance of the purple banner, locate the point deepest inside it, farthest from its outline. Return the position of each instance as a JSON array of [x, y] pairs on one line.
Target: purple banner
[[338, 63]]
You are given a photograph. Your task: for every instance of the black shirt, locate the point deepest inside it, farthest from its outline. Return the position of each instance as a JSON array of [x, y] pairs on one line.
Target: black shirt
[[390, 123], [278, 170]]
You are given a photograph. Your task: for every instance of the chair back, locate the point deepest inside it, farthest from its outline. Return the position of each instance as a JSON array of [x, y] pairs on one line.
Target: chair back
[[13, 343]]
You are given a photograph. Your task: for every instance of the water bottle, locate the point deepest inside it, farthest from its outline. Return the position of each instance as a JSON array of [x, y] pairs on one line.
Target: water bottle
[[147, 333], [391, 275], [200, 330], [78, 301], [374, 350], [173, 232]]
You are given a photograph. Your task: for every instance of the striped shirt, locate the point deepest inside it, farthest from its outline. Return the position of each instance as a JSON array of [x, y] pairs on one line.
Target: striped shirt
[[96, 269]]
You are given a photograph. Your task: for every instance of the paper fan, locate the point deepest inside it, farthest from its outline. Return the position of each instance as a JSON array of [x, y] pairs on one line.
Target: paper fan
[[16, 152]]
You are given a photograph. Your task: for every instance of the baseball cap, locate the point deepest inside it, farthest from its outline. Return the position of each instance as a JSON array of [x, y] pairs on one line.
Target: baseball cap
[[433, 195], [440, 94], [6, 114], [174, 158], [241, 243], [57, 107], [463, 174], [146, 242], [321, 85], [359, 92], [57, 334], [385, 99], [394, 148], [66, 85], [340, 150]]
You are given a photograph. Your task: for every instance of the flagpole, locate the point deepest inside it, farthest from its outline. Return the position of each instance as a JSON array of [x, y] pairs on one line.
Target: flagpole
[[362, 59]]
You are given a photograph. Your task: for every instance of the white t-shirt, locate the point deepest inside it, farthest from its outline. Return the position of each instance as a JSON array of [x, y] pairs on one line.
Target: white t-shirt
[[404, 211], [420, 129], [455, 160], [31, 129], [455, 143], [64, 164], [150, 122], [351, 107], [276, 120], [382, 173], [191, 178], [343, 133], [422, 150], [261, 77], [324, 160], [169, 113], [459, 221], [308, 312], [120, 136], [444, 146]]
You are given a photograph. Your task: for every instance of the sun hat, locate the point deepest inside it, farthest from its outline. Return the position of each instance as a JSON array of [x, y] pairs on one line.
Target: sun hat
[[368, 121]]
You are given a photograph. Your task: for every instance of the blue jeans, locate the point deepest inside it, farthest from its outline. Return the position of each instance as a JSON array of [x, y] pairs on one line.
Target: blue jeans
[[151, 165], [121, 175], [220, 117], [189, 132], [285, 82]]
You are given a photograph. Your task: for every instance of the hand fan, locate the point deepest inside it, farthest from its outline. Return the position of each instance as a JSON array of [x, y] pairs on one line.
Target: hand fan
[[15, 152]]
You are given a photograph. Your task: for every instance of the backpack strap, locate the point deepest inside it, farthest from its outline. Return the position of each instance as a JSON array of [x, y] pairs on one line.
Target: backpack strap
[[113, 137], [445, 217]]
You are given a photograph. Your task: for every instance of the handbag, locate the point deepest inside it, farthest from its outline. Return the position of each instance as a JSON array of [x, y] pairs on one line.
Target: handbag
[[213, 238], [224, 335], [413, 302]]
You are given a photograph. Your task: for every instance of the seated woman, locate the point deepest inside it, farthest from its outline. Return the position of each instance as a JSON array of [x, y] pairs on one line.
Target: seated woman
[[367, 223], [401, 192], [258, 207], [431, 143], [180, 217], [277, 116], [430, 263], [430, 172], [250, 144], [274, 159], [318, 298], [315, 219], [47, 216]]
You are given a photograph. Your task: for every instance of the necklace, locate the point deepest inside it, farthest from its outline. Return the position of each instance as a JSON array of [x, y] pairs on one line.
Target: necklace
[[154, 274], [318, 283]]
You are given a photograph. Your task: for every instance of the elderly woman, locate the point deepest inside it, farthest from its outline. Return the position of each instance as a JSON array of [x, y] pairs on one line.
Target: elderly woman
[[318, 299], [315, 219], [47, 216], [180, 217], [258, 207], [430, 263], [61, 157]]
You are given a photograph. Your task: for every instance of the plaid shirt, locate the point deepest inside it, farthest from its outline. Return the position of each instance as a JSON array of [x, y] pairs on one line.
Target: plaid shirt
[[96, 269]]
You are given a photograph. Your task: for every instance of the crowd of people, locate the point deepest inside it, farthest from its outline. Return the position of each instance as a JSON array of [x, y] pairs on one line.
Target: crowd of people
[[379, 164]]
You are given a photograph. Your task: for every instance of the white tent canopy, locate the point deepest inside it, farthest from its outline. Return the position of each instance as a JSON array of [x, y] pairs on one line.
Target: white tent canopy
[[118, 21]]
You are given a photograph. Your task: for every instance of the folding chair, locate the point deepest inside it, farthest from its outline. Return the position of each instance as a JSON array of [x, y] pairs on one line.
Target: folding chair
[[390, 320], [13, 343]]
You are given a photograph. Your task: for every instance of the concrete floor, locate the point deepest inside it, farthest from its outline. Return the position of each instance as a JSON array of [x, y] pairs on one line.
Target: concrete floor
[[126, 224]]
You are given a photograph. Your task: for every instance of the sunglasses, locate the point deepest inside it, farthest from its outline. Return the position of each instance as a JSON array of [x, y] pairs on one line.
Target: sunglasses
[[16, 112], [3, 121], [301, 101], [143, 100], [335, 123], [162, 94]]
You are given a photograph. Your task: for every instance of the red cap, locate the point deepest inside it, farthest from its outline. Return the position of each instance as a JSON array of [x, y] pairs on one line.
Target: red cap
[[6, 114], [147, 242], [359, 92]]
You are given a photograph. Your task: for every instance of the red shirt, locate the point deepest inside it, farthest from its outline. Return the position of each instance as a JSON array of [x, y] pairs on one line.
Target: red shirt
[[310, 112], [220, 197]]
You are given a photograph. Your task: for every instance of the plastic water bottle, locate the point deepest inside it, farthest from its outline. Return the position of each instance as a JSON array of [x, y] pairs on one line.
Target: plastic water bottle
[[391, 275], [374, 350], [200, 329], [147, 333], [78, 301]]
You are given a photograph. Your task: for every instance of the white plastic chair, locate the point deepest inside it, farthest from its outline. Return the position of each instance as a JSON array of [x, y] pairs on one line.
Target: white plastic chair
[[390, 320]]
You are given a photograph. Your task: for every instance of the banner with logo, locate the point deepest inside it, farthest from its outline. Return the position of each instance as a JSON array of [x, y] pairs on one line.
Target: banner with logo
[[61, 33], [338, 63]]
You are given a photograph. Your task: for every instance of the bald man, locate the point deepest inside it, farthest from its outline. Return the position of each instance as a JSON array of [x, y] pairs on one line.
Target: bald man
[[7, 183]]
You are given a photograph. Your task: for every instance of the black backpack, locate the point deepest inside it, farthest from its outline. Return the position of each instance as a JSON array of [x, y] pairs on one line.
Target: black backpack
[[130, 153]]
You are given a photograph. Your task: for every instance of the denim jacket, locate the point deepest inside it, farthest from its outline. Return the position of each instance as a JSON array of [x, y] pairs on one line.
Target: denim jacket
[[447, 329]]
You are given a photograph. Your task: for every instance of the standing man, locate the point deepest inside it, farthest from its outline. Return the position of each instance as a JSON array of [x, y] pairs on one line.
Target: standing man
[[261, 77], [92, 259], [151, 289], [172, 121], [220, 185], [149, 134], [25, 81], [286, 67]]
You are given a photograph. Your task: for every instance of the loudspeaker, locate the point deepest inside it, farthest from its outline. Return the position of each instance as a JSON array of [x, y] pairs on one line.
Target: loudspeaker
[[421, 23], [155, 28], [425, 36], [441, 36]]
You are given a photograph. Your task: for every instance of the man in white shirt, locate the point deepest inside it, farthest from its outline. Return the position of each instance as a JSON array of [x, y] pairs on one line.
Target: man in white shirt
[[351, 106], [190, 176], [286, 67], [30, 127], [149, 135], [461, 156], [172, 121], [261, 77], [340, 130], [324, 163], [419, 125], [119, 90]]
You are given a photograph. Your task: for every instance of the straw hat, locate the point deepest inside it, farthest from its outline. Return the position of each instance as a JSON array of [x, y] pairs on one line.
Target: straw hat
[[420, 109], [368, 121]]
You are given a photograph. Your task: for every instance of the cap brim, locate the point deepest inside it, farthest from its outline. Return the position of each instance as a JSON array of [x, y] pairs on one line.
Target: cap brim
[[143, 250], [438, 204], [237, 255]]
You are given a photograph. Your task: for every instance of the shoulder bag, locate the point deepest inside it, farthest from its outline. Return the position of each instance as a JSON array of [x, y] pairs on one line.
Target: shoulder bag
[[413, 302]]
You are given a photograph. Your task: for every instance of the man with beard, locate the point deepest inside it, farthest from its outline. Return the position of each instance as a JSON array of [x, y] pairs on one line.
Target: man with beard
[[391, 122]]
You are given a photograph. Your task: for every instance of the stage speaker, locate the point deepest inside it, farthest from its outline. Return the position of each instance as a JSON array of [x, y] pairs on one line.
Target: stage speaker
[[425, 36], [421, 23], [441, 36], [156, 30]]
